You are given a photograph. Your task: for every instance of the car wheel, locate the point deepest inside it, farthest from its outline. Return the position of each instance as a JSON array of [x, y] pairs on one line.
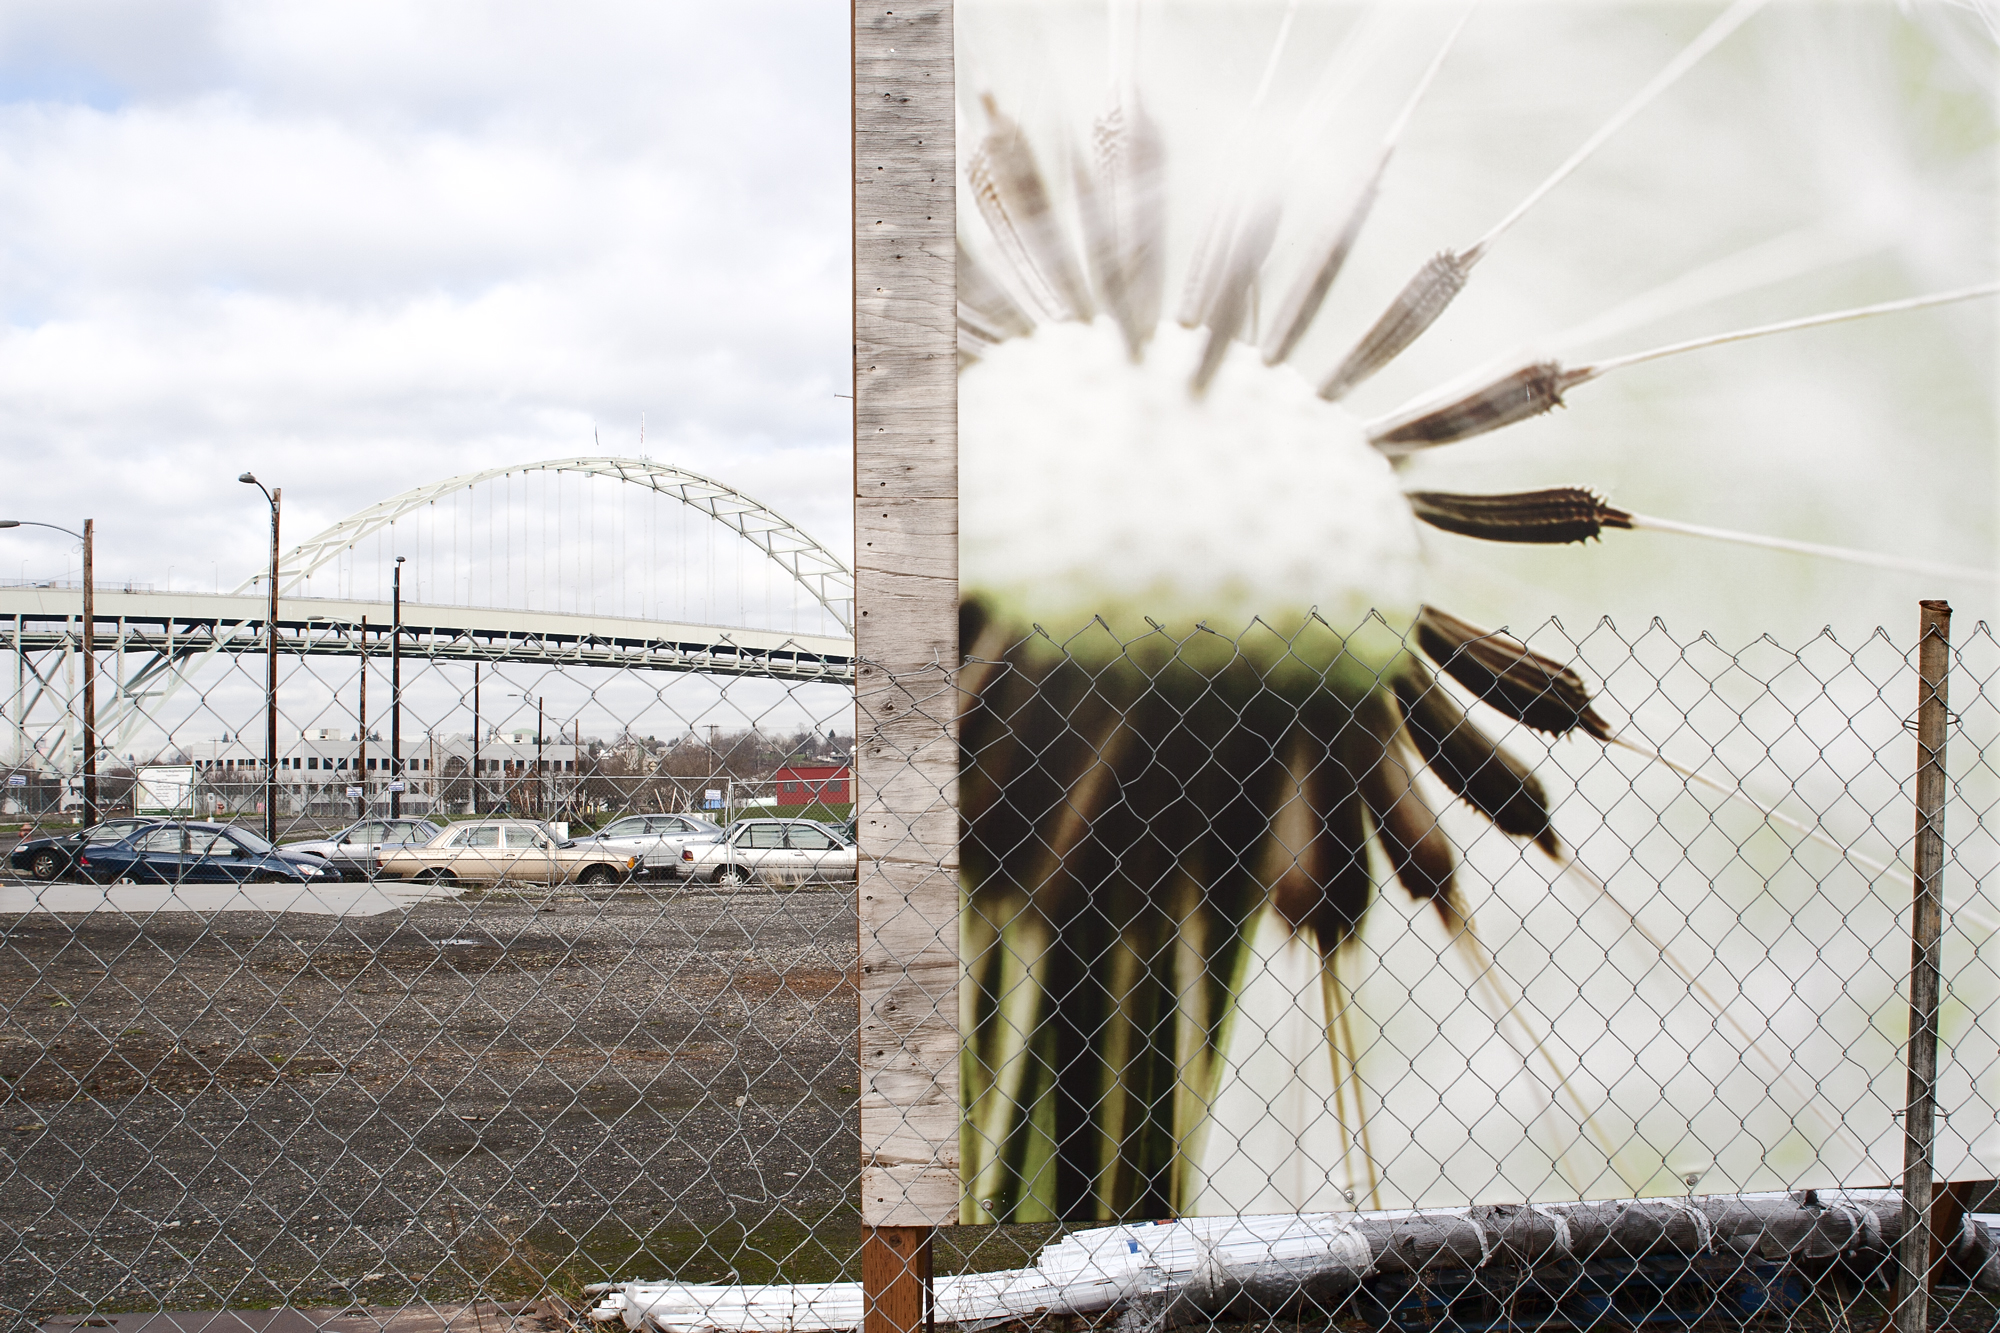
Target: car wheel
[[46, 865], [598, 876], [270, 877], [435, 876], [732, 877]]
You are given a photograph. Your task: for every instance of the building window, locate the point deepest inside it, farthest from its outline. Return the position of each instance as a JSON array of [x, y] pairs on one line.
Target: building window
[[312, 761]]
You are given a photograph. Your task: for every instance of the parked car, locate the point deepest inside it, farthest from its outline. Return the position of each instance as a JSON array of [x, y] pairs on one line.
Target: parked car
[[494, 850], [55, 858], [655, 839], [356, 851], [197, 853], [773, 849]]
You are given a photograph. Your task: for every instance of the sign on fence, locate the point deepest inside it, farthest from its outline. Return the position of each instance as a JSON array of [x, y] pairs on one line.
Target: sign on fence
[[164, 789]]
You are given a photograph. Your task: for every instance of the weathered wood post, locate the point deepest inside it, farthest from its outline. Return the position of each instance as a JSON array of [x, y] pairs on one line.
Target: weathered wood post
[[1933, 671], [906, 641]]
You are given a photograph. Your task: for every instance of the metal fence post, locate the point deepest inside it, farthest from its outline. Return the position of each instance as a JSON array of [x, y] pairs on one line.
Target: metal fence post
[[1933, 669]]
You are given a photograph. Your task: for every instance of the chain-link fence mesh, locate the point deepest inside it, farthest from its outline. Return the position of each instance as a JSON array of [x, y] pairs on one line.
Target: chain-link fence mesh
[[1370, 954]]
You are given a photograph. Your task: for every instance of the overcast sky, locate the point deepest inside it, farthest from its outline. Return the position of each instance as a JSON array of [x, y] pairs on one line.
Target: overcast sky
[[362, 246]]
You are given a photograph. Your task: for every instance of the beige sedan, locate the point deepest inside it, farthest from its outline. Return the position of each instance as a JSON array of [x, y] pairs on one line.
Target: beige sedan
[[498, 851]]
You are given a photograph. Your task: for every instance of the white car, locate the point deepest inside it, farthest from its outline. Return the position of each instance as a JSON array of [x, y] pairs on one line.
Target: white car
[[773, 849], [655, 839]]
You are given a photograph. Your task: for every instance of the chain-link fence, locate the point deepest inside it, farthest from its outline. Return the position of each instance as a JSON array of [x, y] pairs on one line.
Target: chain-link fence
[[1371, 954]]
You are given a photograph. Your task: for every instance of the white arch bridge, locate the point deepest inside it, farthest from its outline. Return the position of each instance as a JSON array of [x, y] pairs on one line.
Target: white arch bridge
[[157, 640]]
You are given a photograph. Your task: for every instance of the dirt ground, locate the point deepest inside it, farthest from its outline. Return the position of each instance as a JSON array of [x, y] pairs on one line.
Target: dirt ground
[[486, 1094]]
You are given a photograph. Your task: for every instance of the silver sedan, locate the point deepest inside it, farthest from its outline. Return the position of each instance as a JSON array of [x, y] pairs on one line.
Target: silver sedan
[[356, 851]]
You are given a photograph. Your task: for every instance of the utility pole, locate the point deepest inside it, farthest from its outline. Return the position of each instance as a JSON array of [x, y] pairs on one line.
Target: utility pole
[[89, 677], [361, 760], [396, 696], [473, 809]]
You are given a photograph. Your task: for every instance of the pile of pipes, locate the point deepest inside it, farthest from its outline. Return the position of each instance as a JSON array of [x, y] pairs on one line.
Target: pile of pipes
[[1165, 1274]]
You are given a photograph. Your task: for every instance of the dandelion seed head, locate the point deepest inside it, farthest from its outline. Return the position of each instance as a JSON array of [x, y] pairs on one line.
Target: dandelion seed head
[[1823, 156], [1093, 484]]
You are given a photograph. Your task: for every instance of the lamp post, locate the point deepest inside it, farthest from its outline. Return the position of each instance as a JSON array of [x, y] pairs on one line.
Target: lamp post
[[89, 659], [270, 670], [396, 695]]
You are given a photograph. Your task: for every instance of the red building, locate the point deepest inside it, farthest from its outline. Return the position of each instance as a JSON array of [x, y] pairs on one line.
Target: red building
[[814, 784]]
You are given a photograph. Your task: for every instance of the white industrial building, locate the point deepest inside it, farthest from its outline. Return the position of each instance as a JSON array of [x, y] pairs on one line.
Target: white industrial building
[[329, 771]]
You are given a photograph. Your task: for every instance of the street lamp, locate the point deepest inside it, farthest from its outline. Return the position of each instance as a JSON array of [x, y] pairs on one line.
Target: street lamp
[[89, 659], [270, 670], [396, 696]]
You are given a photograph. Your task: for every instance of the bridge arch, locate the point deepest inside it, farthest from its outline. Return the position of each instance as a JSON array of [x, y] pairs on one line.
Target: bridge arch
[[824, 575]]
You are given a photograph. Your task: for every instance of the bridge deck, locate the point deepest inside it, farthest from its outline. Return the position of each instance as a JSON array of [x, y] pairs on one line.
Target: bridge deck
[[182, 624]]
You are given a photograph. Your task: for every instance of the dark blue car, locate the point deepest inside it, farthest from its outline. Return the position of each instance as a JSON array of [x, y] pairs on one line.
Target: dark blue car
[[55, 858], [198, 854]]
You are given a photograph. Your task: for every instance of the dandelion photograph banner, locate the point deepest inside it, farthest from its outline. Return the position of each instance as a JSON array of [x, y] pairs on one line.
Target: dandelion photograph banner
[[1430, 475]]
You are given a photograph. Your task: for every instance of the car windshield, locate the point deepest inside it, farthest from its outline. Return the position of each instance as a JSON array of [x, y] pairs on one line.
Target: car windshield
[[251, 842]]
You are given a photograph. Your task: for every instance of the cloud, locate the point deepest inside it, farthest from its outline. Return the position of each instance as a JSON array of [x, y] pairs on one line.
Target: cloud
[[363, 247]]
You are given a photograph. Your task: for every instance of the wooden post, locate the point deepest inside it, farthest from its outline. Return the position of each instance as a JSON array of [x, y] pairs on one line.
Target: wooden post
[[361, 760], [90, 811], [271, 682], [896, 1278], [906, 644], [1933, 670]]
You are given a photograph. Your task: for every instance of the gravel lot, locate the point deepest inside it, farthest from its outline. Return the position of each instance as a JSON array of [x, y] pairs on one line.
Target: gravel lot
[[489, 1092]]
